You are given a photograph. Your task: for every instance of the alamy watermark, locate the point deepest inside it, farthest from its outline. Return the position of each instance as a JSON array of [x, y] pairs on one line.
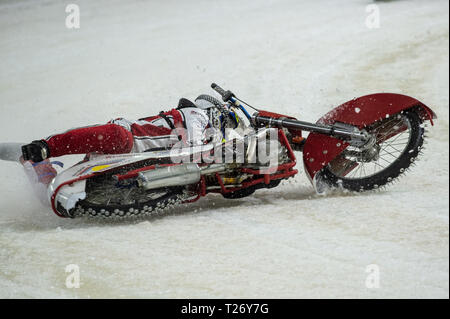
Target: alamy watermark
[[373, 17], [73, 16], [373, 277], [73, 279], [259, 147]]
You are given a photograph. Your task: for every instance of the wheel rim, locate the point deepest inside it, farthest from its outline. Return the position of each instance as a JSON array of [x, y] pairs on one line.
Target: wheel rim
[[392, 137], [109, 192]]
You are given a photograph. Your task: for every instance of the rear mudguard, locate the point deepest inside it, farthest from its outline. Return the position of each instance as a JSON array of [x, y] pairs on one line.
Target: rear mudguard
[[321, 149]]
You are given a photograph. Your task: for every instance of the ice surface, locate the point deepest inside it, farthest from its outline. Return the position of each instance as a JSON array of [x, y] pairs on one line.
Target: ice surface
[[136, 58]]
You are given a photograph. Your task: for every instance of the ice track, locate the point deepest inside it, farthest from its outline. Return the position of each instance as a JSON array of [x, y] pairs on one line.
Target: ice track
[[136, 58]]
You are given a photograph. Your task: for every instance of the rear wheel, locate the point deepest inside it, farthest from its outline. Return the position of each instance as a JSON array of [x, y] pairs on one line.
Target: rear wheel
[[396, 144], [105, 197]]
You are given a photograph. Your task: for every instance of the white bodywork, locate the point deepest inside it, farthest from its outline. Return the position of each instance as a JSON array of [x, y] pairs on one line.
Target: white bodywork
[[69, 194]]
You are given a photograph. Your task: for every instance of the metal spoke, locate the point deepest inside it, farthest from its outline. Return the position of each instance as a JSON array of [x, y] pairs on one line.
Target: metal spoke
[[397, 130], [385, 160], [394, 148], [389, 153]]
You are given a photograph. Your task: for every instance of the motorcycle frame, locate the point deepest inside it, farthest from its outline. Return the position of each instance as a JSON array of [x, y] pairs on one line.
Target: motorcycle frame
[[282, 171]]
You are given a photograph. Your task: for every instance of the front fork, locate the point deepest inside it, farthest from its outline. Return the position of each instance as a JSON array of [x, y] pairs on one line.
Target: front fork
[[346, 132]]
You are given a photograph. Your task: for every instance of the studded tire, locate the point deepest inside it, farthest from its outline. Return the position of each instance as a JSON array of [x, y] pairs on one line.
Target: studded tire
[[105, 199]]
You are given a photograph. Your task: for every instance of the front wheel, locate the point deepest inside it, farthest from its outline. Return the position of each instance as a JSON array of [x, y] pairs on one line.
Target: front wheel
[[396, 144]]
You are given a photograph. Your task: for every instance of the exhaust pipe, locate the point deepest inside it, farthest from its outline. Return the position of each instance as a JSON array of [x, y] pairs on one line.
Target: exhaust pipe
[[176, 175]]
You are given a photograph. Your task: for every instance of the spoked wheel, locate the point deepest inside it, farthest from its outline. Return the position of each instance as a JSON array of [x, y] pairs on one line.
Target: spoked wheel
[[106, 198], [396, 143]]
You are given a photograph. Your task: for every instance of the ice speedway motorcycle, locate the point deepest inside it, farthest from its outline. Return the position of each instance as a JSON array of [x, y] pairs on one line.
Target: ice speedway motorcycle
[[360, 145]]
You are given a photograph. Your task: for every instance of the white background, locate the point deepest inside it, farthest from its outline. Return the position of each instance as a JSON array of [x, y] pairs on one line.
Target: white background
[[136, 58]]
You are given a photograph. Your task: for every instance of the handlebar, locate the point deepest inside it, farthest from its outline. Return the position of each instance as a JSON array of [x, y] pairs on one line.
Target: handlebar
[[258, 120], [226, 95]]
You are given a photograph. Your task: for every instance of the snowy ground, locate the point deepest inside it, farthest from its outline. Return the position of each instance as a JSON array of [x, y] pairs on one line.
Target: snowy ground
[[135, 58]]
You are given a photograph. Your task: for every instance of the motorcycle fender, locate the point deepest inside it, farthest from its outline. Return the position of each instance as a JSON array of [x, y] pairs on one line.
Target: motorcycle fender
[[320, 149]]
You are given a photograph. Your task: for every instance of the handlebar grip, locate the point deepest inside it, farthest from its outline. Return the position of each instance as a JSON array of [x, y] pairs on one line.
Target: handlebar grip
[[218, 89], [226, 95]]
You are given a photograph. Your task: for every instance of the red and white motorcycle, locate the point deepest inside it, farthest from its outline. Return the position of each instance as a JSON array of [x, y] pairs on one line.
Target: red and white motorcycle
[[360, 145]]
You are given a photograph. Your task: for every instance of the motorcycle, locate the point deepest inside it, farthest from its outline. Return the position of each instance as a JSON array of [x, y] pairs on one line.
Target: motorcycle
[[361, 145]]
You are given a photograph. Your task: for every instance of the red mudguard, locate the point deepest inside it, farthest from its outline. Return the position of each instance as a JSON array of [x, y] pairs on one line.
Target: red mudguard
[[320, 149]]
